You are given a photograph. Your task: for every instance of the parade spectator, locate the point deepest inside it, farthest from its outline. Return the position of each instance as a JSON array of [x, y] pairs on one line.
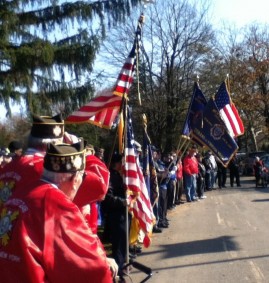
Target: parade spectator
[[6, 157], [179, 176], [15, 148], [170, 164], [234, 171], [190, 171], [208, 174], [200, 177], [99, 152], [155, 190], [51, 241], [214, 170], [114, 208], [162, 174], [221, 174], [258, 170]]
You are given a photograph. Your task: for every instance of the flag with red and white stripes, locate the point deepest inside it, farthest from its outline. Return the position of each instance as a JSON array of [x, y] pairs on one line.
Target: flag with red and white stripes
[[103, 109], [136, 186], [100, 111], [228, 111]]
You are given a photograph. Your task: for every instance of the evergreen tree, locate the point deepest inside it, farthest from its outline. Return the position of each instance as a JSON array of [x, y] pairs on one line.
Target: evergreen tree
[[48, 47]]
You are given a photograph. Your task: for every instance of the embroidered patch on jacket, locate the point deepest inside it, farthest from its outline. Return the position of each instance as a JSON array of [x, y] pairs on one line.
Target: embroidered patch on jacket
[[6, 188], [6, 224]]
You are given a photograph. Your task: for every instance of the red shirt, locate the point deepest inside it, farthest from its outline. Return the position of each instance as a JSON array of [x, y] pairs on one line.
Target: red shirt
[[179, 172], [45, 238], [190, 165]]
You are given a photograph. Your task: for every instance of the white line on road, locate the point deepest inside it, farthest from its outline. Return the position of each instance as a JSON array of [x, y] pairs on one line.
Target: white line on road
[[235, 205], [256, 271], [220, 220], [251, 226]]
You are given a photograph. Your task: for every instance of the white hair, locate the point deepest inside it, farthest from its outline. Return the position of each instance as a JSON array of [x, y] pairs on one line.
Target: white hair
[[56, 178], [41, 143]]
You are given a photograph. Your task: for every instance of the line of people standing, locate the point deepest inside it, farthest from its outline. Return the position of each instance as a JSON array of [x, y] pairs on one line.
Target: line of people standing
[[192, 174]]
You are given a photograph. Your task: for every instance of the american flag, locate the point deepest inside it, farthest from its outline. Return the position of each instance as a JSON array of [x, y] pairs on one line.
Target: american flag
[[103, 109], [125, 78], [136, 187], [228, 111]]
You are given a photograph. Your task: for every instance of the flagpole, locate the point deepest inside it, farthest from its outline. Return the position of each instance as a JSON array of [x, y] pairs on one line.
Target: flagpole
[[141, 21], [126, 192]]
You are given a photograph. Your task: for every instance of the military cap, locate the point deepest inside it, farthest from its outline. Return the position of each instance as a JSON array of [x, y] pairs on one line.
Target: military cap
[[47, 127], [65, 158]]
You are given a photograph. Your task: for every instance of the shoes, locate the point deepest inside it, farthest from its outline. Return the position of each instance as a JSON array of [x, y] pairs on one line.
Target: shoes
[[132, 256], [203, 197], [195, 199], [232, 185], [171, 207], [165, 222], [238, 185], [224, 186], [156, 229], [163, 225], [135, 249]]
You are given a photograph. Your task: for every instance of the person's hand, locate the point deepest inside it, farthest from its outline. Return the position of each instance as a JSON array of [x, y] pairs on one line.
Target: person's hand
[[113, 266]]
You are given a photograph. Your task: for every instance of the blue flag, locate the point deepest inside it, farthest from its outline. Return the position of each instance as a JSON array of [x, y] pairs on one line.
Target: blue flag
[[214, 134], [149, 170], [195, 112]]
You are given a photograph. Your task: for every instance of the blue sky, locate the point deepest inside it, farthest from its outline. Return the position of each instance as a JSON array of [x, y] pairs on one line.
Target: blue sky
[[240, 12], [237, 12]]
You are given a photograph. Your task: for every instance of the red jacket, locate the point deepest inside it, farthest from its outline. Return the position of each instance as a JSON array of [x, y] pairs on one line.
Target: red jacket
[[93, 189], [190, 165], [179, 172], [45, 238], [27, 169]]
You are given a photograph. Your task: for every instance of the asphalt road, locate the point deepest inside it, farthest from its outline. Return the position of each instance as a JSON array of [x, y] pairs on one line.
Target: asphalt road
[[224, 238]]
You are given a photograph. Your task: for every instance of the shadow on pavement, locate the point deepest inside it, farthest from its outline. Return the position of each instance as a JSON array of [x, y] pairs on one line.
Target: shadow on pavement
[[220, 244], [260, 200]]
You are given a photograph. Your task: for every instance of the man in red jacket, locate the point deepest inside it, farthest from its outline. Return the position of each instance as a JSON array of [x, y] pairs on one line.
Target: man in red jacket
[[190, 171], [28, 168], [43, 235]]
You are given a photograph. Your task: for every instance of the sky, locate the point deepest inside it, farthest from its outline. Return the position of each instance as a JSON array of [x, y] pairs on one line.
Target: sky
[[240, 12], [236, 12]]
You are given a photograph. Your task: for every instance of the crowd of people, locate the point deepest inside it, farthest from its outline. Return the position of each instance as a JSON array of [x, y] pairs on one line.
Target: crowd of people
[[185, 177], [46, 196], [55, 193]]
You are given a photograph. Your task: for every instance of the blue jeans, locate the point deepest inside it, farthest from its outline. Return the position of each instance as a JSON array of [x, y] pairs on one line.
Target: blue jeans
[[213, 176], [190, 186]]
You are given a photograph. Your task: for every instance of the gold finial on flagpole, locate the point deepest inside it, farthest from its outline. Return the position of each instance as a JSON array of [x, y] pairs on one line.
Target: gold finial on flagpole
[[228, 83]]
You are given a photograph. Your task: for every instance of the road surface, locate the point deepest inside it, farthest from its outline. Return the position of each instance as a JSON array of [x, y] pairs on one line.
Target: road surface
[[224, 238]]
